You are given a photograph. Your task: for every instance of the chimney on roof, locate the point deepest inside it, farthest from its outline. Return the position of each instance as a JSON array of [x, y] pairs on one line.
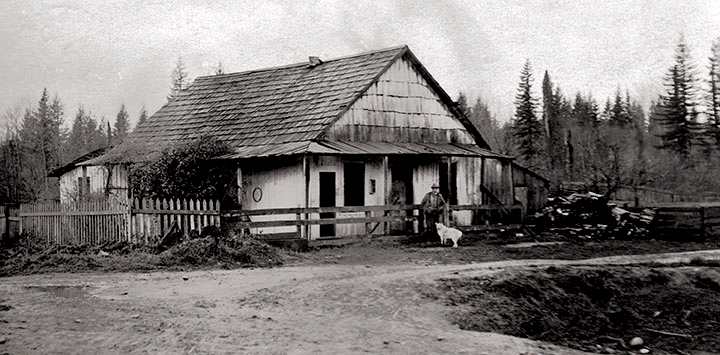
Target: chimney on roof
[[314, 61]]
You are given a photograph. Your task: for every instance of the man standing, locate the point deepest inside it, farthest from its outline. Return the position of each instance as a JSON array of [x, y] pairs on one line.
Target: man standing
[[433, 204]]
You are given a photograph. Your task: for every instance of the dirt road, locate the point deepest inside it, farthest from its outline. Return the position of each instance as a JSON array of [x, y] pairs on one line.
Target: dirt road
[[306, 309]]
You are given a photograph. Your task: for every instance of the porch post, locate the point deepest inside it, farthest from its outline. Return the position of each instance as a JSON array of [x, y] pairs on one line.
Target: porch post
[[388, 189], [448, 182], [305, 231], [239, 182], [130, 201]]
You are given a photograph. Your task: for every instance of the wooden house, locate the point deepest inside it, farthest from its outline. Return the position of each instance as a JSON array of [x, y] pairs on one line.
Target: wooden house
[[363, 130], [82, 179]]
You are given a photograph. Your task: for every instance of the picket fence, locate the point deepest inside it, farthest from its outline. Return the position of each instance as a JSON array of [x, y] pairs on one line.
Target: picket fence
[[97, 222], [154, 217]]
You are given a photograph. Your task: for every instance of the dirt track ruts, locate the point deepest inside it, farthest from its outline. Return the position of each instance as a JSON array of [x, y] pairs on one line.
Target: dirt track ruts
[[328, 309]]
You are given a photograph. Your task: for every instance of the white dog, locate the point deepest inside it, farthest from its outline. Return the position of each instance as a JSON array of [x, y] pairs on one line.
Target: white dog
[[446, 233]]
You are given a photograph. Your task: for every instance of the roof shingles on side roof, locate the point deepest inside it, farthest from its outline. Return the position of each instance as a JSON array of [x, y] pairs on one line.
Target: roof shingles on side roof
[[270, 106]]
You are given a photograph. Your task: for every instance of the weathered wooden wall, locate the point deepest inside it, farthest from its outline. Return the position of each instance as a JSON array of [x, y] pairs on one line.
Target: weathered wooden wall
[[70, 191], [530, 190], [283, 185], [272, 183], [469, 179], [400, 107], [497, 178], [374, 170]]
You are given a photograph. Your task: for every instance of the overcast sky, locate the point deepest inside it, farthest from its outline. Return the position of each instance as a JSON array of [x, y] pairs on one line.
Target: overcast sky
[[101, 54]]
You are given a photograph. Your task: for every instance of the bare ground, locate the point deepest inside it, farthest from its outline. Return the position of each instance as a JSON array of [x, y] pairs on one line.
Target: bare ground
[[367, 299]]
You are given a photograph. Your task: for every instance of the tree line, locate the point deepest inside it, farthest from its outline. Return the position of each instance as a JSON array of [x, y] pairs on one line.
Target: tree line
[[674, 146], [34, 142], [607, 146]]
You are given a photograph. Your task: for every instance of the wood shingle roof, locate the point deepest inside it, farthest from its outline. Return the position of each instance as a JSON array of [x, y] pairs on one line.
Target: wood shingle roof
[[269, 106], [289, 105]]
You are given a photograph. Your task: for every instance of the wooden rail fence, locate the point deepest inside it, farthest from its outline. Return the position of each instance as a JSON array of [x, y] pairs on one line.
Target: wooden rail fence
[[687, 221], [144, 221], [484, 216]]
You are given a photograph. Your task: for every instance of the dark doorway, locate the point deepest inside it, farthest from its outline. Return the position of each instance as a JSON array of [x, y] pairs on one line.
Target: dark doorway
[[444, 186], [327, 199], [354, 181], [401, 193], [452, 195], [448, 183]]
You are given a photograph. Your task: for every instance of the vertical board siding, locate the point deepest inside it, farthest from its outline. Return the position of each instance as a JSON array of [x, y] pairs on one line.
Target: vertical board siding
[[70, 191], [273, 184], [85, 222], [469, 179], [400, 106], [102, 221], [497, 178]]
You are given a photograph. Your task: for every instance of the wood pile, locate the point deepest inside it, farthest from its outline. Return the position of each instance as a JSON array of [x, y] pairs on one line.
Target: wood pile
[[590, 215]]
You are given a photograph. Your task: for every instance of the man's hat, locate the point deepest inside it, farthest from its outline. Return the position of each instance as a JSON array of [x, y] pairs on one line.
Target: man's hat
[[435, 186]]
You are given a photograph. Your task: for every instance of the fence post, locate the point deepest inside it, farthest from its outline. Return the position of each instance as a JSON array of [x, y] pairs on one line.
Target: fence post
[[368, 225], [129, 201]]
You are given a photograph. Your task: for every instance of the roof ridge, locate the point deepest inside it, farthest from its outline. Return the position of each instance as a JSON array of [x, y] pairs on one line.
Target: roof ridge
[[300, 64]]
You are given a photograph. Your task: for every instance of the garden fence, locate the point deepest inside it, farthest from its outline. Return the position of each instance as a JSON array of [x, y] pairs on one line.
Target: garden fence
[[100, 221]]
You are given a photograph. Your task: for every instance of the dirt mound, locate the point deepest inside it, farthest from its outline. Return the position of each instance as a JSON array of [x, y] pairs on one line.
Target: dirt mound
[[31, 257], [225, 252], [584, 307]]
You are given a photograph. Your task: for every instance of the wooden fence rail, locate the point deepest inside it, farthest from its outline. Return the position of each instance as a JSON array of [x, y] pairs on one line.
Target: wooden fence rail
[[143, 221], [240, 220]]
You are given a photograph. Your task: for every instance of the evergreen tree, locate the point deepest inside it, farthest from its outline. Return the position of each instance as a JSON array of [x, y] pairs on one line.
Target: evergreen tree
[[713, 112], [179, 78], [122, 126], [585, 111], [462, 104], [618, 115], [85, 136], [488, 126], [679, 114], [57, 111], [40, 139], [548, 109], [556, 116], [11, 162], [527, 129], [143, 116], [655, 128]]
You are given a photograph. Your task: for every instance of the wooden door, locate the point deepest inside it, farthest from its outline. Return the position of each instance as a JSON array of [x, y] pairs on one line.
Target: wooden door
[[401, 193], [327, 199]]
